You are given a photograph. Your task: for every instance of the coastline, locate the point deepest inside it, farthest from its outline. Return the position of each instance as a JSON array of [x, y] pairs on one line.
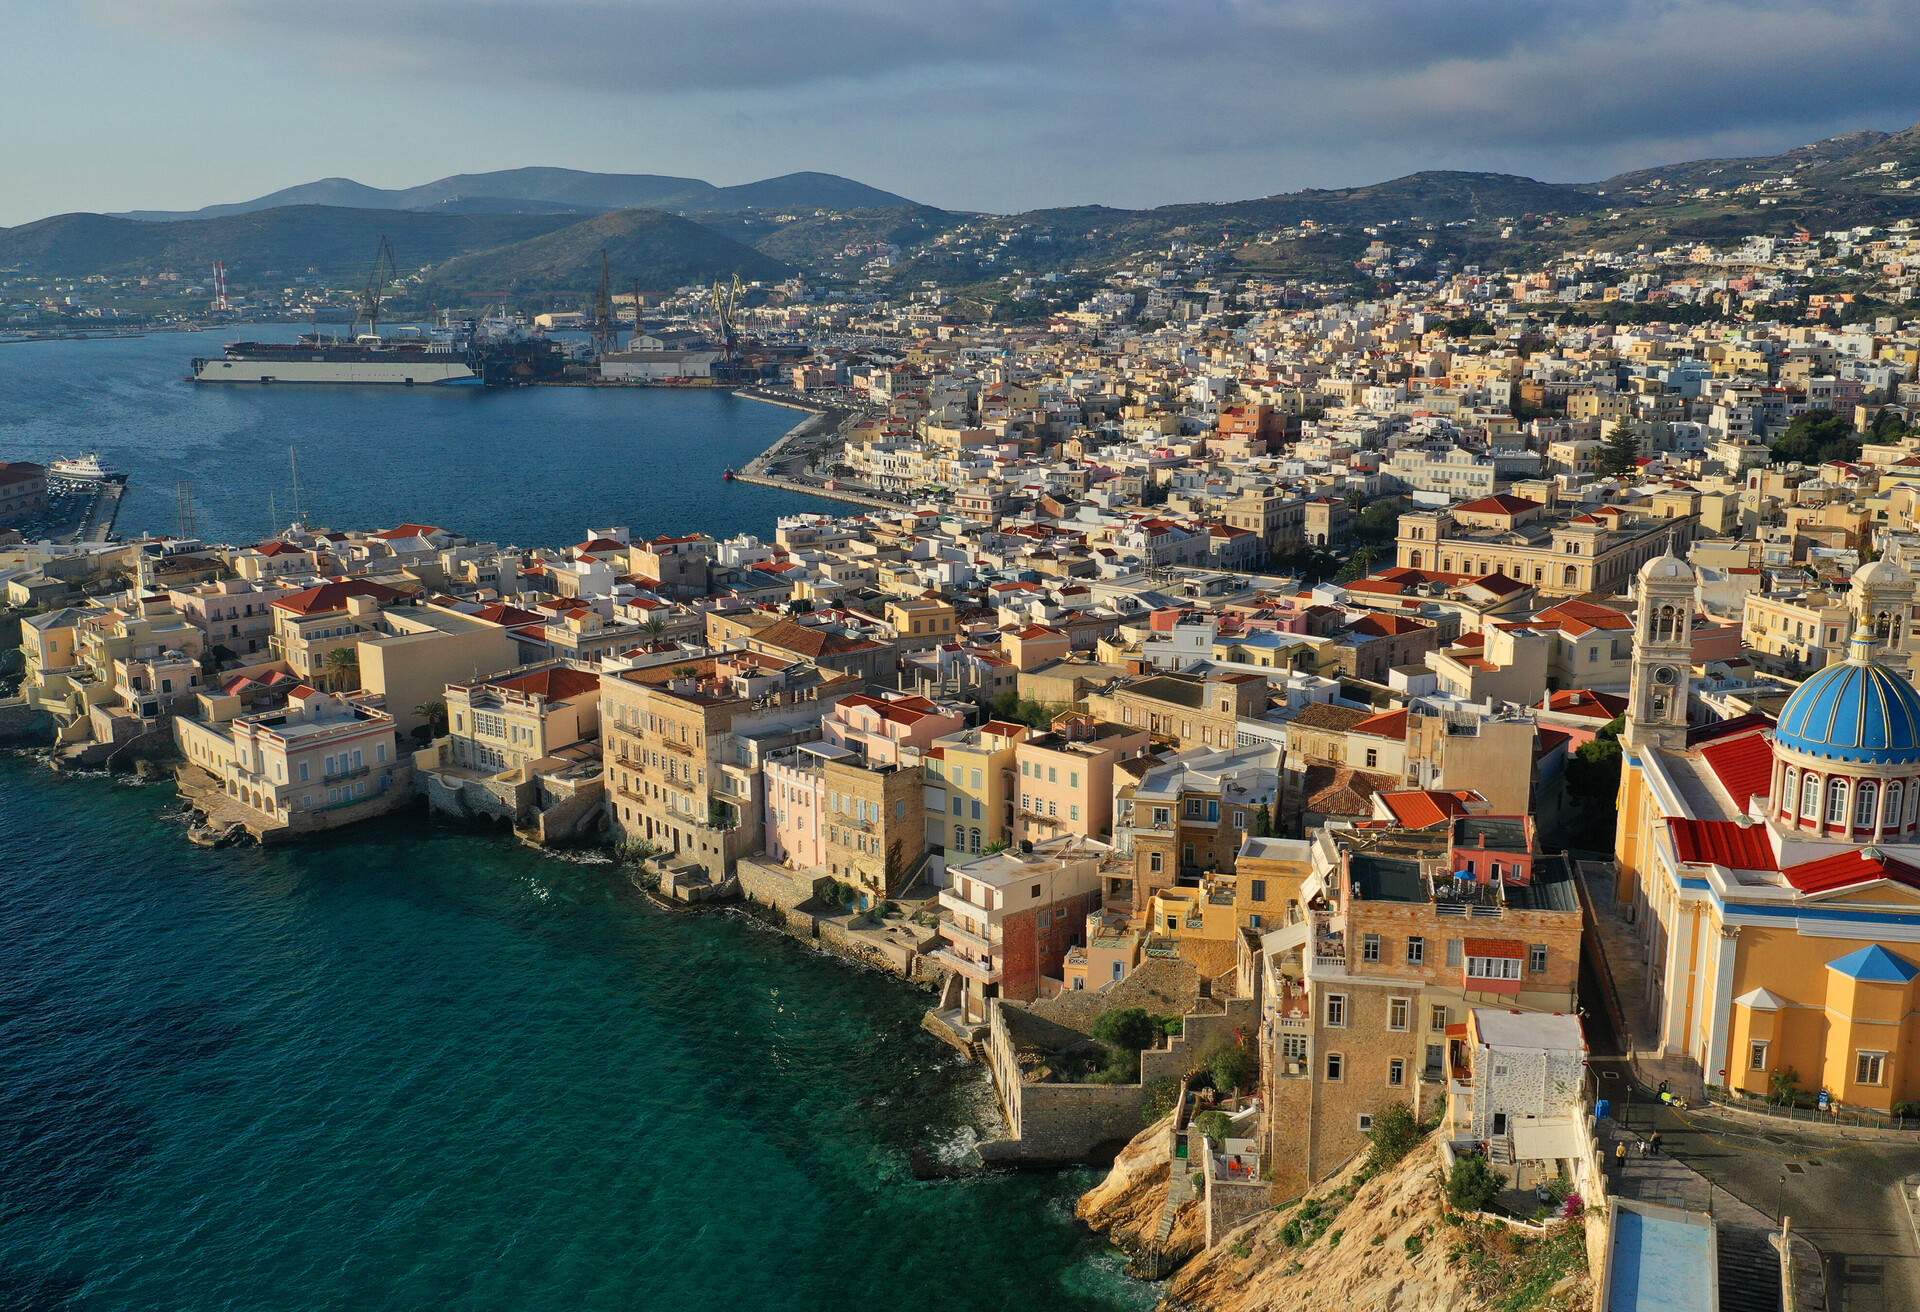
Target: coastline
[[755, 470]]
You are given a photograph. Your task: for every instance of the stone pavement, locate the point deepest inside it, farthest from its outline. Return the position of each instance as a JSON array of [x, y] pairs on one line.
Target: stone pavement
[[1624, 968]]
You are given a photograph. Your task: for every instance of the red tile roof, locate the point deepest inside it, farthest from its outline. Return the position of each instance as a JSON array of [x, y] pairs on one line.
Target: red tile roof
[[1423, 808], [1499, 504], [1587, 703], [330, 597], [555, 684], [1723, 843], [1387, 724]]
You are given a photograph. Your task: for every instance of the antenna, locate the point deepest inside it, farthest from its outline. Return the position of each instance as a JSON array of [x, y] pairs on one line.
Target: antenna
[[293, 462]]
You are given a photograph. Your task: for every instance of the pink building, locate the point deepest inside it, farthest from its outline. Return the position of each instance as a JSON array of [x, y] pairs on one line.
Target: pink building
[[881, 728], [796, 798], [1065, 778]]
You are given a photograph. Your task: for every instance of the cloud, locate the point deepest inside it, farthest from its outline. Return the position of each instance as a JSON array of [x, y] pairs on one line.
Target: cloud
[[1016, 101]]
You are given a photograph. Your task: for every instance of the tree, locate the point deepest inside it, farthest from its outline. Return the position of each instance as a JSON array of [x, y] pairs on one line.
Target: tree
[[1815, 438], [1621, 455], [1128, 1028], [343, 667], [1214, 1126], [1473, 1184], [435, 714], [1393, 1135], [1889, 425], [653, 627], [1234, 1067]]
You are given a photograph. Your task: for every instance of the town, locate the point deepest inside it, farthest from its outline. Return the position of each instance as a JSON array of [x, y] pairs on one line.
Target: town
[[1450, 750]]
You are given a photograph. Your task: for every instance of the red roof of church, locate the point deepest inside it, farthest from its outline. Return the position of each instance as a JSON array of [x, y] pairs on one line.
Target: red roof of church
[[1843, 869], [1723, 843], [1744, 766]]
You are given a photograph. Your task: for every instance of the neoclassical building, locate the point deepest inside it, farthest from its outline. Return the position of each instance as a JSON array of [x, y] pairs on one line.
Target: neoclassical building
[[1773, 871]]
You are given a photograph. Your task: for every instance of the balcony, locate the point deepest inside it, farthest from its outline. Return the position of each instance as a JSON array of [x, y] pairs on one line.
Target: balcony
[[983, 972], [966, 938], [342, 775], [950, 899]]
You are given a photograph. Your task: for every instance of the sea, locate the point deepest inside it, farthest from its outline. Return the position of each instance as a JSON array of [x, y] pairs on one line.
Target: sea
[[534, 466], [416, 1066]]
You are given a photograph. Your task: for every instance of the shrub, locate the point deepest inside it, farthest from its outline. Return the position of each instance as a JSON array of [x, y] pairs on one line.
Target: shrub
[[1783, 1086], [1158, 1101], [1392, 1137], [1129, 1028], [1234, 1067], [1213, 1125], [1413, 1245], [1573, 1205], [1472, 1185]]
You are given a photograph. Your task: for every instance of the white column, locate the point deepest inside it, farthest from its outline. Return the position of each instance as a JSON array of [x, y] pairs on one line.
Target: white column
[[1879, 809], [1726, 947]]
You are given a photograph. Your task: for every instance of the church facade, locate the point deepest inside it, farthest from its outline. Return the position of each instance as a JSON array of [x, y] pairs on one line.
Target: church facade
[[1773, 871]]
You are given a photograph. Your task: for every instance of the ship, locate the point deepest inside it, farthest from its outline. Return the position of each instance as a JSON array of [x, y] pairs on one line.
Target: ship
[[84, 469], [407, 358]]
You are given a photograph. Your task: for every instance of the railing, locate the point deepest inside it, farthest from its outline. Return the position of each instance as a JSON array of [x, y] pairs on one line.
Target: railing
[[1760, 1107], [354, 773]]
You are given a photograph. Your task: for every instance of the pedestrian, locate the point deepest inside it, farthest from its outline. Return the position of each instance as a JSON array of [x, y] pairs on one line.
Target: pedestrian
[[1653, 1144], [1620, 1157]]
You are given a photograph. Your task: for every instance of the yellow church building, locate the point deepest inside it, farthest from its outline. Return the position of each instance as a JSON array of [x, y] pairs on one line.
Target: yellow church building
[[1773, 870]]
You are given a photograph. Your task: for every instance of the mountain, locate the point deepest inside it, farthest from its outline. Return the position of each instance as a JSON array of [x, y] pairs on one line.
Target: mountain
[[291, 239], [1718, 173], [545, 190], [660, 250]]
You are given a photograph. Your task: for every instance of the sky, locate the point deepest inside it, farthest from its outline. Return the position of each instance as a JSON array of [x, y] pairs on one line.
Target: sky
[[998, 105]]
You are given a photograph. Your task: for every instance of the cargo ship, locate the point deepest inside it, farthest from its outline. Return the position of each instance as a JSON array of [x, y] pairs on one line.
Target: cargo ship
[[406, 358]]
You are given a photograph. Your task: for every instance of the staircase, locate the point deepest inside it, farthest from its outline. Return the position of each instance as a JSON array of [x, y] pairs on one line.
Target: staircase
[[1500, 1150], [1749, 1270]]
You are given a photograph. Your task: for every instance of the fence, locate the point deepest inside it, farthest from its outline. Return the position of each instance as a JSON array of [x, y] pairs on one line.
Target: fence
[[1719, 1097]]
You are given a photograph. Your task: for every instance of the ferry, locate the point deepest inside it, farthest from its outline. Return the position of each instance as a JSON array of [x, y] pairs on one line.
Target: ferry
[[407, 358], [84, 469]]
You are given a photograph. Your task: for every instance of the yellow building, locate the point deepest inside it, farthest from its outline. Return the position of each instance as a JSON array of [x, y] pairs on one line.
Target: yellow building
[[970, 788], [1775, 878]]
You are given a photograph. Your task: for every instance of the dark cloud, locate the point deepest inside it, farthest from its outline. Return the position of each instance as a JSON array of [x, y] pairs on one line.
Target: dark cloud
[[1004, 103]]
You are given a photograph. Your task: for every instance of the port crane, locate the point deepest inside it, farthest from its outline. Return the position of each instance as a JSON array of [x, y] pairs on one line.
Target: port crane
[[374, 295], [727, 298], [605, 328]]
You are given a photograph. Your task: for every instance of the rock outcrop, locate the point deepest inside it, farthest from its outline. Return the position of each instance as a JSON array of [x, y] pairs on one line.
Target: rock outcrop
[[1360, 1243], [1130, 1206]]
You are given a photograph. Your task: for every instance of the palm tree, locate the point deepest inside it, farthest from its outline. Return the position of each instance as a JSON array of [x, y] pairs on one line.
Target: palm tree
[[435, 714], [343, 667], [653, 627]]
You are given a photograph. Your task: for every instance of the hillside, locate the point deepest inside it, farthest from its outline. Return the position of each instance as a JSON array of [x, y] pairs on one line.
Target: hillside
[[541, 190], [660, 250], [330, 239], [1385, 1244]]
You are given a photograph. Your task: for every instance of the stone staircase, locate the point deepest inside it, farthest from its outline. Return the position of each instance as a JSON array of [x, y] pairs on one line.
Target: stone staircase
[[1749, 1270]]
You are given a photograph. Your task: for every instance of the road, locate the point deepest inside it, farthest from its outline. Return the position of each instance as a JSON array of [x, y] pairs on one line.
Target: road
[[1843, 1193]]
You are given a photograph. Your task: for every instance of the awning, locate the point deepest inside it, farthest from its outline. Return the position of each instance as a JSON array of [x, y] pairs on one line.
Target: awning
[[1497, 947], [1536, 1141]]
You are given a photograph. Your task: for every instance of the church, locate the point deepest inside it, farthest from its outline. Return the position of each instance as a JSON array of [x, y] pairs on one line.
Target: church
[[1772, 871]]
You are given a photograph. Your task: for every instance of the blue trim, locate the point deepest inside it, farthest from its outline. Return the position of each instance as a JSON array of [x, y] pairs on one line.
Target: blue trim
[[1910, 919], [1857, 712]]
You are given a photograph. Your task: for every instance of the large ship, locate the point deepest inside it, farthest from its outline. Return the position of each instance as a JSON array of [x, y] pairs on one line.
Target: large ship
[[406, 358]]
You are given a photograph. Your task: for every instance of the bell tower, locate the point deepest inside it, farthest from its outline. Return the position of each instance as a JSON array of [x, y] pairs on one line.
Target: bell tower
[[1662, 656], [1882, 605]]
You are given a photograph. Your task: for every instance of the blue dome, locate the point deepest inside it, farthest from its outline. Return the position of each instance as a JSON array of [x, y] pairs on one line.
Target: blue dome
[[1854, 711]]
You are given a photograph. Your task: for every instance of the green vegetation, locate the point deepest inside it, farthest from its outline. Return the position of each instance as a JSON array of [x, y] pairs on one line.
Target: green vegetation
[[1214, 1126], [1783, 1087], [1024, 710], [1158, 1100], [1621, 455], [1392, 1137], [660, 251], [1593, 785], [1816, 438], [1234, 1067], [1473, 1184], [1511, 1272], [1124, 1031]]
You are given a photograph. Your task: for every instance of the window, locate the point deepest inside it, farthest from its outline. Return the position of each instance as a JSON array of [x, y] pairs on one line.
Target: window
[[1837, 802], [1870, 1067], [1161, 816], [1336, 1066], [1073, 811], [976, 779], [1396, 1072], [1373, 758], [1073, 778], [1370, 948], [1416, 950], [1053, 775], [1399, 1014], [1493, 968], [1154, 862], [1867, 795], [1757, 1055], [1293, 1047], [1257, 890], [1336, 1011], [1437, 1019], [1537, 959], [1454, 952], [1239, 819], [976, 809], [1365, 1122]]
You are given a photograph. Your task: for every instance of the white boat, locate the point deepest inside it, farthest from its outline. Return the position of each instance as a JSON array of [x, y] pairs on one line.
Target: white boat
[[83, 469]]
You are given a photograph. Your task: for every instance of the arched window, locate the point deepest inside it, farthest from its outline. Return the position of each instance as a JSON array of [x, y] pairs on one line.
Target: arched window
[[1866, 796], [1836, 801], [1810, 797], [1789, 783], [1913, 801], [1894, 797], [1572, 574], [1414, 560], [1883, 627]]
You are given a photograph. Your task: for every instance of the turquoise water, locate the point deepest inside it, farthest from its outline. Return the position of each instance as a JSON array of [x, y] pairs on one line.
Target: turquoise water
[[531, 466], [421, 1068]]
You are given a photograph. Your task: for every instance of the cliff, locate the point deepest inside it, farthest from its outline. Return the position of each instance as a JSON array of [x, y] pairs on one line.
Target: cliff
[[1130, 1204], [1384, 1244]]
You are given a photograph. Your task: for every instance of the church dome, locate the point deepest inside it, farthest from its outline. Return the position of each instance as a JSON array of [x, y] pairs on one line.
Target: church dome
[[1666, 566], [1881, 573], [1855, 711]]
